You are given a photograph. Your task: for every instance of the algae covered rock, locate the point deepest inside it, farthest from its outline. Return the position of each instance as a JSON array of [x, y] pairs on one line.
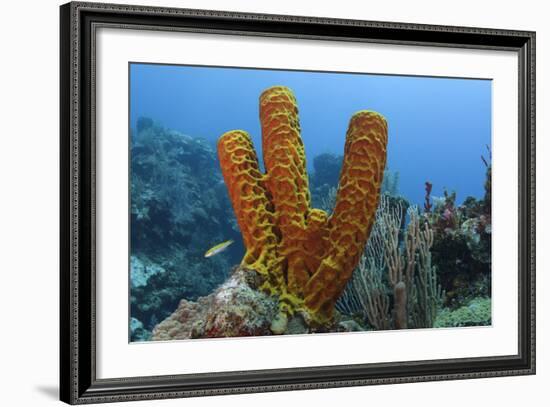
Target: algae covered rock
[[476, 313], [234, 309]]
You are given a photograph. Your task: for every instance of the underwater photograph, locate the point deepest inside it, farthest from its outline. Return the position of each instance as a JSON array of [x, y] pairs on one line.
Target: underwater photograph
[[282, 202]]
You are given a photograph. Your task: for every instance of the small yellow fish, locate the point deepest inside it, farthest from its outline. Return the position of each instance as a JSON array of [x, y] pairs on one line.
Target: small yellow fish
[[218, 248]]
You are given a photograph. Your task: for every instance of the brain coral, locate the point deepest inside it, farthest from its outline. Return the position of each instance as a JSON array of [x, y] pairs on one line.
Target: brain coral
[[304, 256]]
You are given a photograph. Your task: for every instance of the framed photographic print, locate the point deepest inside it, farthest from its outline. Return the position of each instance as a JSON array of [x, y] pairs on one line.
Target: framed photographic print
[[257, 203]]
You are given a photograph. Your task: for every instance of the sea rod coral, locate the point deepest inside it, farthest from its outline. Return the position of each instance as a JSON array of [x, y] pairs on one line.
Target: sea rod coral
[[303, 255]]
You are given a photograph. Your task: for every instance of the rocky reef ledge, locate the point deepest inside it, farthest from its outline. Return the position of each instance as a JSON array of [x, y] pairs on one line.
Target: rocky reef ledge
[[233, 309], [236, 309]]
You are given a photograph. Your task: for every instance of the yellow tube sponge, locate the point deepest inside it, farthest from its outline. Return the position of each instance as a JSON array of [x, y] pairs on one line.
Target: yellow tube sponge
[[305, 256], [286, 180], [251, 205], [354, 212]]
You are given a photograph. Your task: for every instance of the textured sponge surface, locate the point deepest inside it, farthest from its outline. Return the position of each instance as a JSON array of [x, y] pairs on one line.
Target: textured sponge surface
[[305, 256]]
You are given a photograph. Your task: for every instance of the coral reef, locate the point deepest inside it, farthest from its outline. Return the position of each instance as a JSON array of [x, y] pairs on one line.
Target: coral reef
[[142, 270], [462, 245], [395, 272], [176, 184], [304, 256], [477, 312]]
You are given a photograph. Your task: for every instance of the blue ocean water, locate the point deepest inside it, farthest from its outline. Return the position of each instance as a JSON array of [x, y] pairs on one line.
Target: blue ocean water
[[438, 127]]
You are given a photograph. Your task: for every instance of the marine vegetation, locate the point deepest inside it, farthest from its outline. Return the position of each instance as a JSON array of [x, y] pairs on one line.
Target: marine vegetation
[[303, 255], [477, 312], [235, 308], [395, 285]]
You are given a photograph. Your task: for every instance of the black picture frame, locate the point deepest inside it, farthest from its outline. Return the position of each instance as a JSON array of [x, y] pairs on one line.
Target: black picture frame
[[78, 382]]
